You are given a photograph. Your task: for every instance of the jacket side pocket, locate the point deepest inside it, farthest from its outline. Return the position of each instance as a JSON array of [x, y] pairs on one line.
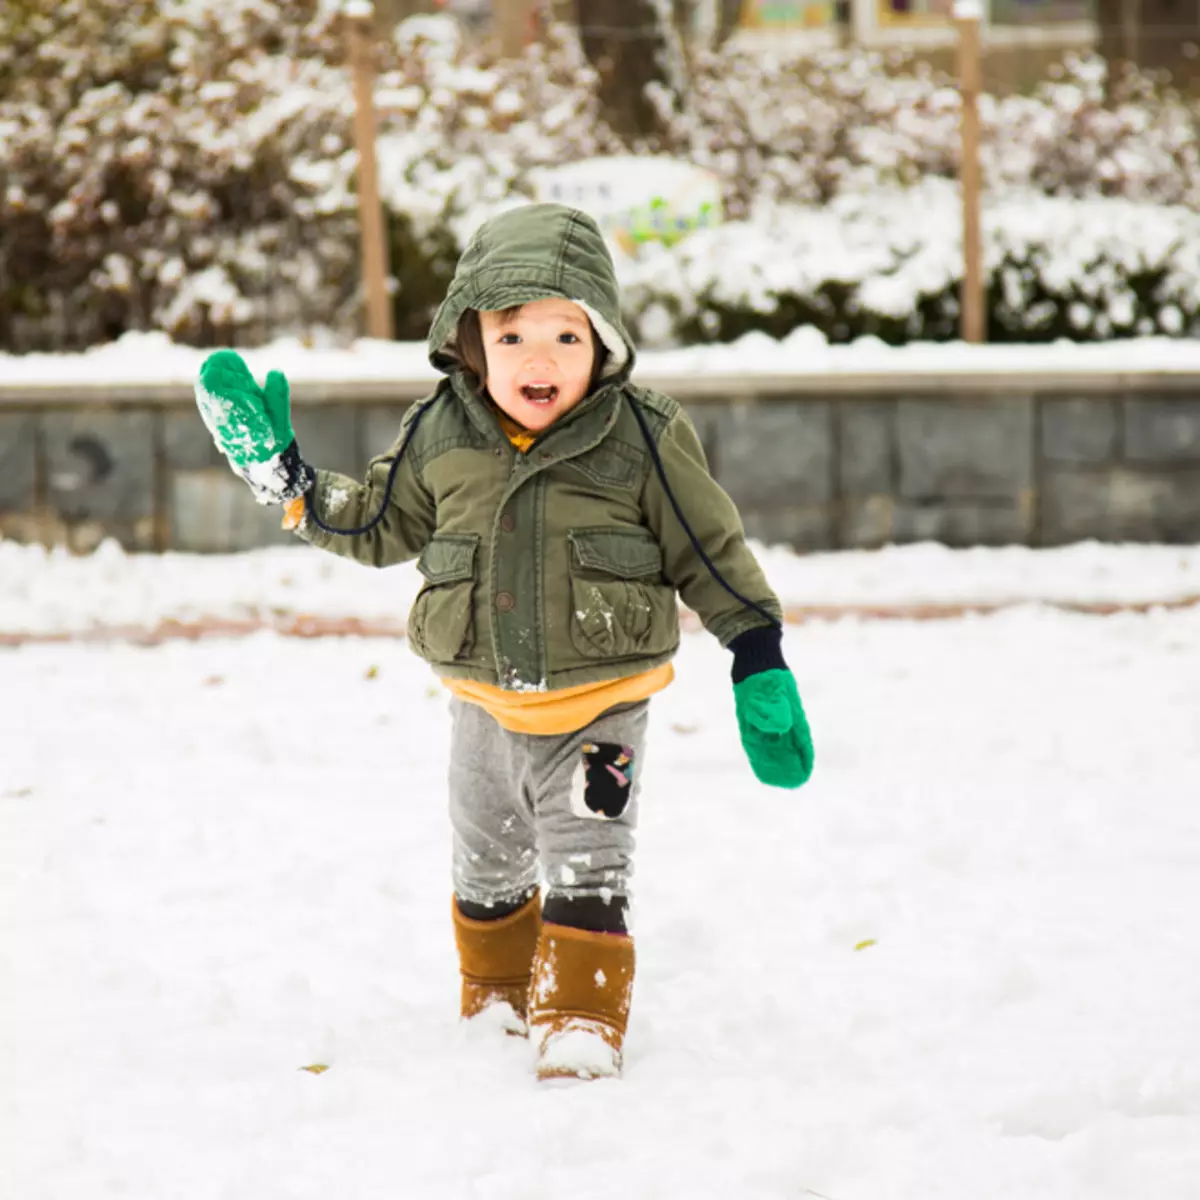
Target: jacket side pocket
[[440, 625]]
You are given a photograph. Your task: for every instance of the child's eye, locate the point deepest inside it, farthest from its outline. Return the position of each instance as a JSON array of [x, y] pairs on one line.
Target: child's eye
[[509, 339], [569, 338]]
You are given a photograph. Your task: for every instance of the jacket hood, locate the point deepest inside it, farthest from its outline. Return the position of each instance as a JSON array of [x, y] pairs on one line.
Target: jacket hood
[[531, 253]]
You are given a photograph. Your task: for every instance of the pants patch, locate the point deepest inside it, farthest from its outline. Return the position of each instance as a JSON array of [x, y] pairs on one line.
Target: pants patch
[[603, 781]]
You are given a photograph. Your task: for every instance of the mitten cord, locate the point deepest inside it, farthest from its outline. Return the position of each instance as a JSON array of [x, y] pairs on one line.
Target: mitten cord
[[708, 562], [310, 508]]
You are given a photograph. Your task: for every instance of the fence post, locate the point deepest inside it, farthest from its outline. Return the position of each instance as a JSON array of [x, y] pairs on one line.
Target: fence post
[[358, 15], [512, 20], [1131, 19], [967, 14]]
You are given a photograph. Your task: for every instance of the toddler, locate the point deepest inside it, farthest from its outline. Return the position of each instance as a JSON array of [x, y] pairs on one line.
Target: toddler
[[556, 511]]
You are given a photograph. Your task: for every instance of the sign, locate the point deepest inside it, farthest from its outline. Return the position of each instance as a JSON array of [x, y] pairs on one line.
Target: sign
[[788, 14], [634, 199]]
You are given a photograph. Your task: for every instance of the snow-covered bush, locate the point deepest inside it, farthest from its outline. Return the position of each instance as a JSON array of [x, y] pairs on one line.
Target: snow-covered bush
[[847, 160], [188, 165], [849, 130], [460, 133], [851, 120], [461, 129], [888, 264], [175, 166], [781, 131], [1080, 135]]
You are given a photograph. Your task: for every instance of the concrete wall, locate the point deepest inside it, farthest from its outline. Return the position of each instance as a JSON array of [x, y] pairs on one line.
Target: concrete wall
[[819, 464]]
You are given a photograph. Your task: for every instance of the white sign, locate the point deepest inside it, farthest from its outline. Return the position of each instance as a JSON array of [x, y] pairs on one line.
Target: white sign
[[634, 199]]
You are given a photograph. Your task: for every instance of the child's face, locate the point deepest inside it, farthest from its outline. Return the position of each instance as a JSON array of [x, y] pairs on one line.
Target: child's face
[[539, 362]]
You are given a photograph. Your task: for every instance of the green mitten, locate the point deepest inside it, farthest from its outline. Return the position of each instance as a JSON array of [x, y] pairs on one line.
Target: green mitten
[[774, 729], [252, 427]]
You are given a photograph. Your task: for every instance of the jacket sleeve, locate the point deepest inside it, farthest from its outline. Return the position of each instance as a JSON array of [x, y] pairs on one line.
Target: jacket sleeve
[[404, 529], [718, 528]]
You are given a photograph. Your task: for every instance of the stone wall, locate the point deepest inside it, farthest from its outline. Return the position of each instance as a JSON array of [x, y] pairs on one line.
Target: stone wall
[[815, 463]]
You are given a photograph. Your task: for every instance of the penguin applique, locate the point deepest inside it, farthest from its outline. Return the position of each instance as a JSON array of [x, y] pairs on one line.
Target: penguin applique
[[603, 782]]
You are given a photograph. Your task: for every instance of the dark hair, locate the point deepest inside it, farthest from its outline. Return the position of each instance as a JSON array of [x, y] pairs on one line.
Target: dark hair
[[468, 345]]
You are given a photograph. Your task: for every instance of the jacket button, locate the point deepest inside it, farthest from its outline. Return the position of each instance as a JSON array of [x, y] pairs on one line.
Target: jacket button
[[508, 522], [505, 601]]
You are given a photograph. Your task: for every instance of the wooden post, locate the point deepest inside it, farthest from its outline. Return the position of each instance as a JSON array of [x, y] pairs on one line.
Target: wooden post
[[967, 14], [1131, 19], [862, 21], [370, 208], [513, 21]]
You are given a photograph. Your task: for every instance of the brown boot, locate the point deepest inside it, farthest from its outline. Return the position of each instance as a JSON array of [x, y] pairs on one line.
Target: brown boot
[[496, 961], [579, 1002]]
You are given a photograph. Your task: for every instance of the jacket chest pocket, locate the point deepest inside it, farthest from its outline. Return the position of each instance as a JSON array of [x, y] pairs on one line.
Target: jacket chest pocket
[[620, 605], [607, 466], [440, 626]]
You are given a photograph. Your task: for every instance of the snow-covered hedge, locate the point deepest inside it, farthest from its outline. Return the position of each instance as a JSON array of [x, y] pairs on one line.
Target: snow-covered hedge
[[189, 166], [178, 166], [889, 264], [847, 121]]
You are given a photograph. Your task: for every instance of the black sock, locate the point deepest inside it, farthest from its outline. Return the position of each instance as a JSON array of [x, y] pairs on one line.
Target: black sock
[[593, 913], [492, 912]]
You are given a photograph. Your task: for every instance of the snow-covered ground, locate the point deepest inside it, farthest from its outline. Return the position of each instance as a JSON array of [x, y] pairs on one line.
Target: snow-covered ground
[[961, 963], [52, 592]]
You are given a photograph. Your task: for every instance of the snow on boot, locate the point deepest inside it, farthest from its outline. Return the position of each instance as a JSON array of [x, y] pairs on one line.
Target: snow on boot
[[579, 1002], [496, 962]]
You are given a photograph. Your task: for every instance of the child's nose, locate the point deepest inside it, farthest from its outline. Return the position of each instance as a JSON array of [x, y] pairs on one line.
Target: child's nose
[[540, 355]]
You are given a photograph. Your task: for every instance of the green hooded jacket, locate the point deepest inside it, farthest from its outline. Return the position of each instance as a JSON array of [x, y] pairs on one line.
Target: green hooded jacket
[[561, 565]]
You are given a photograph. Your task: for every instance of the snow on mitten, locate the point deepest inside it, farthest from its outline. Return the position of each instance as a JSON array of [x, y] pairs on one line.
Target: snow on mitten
[[252, 427], [771, 720]]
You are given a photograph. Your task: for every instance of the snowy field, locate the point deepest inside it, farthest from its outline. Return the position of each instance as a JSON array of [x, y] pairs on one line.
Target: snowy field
[[962, 963]]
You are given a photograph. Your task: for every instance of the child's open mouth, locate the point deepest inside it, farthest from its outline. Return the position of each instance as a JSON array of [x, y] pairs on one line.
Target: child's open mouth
[[540, 393]]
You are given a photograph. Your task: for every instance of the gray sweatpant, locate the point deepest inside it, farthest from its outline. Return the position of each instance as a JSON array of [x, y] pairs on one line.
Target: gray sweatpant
[[566, 804]]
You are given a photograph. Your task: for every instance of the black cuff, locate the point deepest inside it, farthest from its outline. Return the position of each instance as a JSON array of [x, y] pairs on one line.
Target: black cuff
[[299, 476], [757, 650], [492, 912], [593, 913]]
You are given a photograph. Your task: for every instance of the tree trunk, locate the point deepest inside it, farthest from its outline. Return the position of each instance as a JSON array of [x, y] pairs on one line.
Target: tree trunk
[[1119, 39], [625, 43], [729, 13], [1118, 32]]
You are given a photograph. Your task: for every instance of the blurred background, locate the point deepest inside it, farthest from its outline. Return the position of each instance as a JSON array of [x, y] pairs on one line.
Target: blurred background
[[779, 180]]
